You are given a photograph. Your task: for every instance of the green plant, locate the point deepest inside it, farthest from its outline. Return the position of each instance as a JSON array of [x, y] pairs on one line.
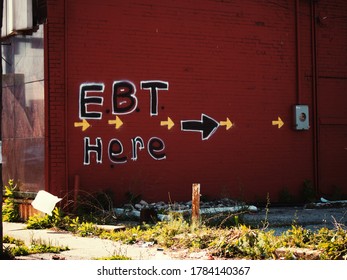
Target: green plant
[[333, 243], [240, 241], [165, 231], [39, 221], [10, 210], [265, 222], [245, 242], [87, 229], [19, 251], [113, 258], [95, 207], [41, 246], [58, 220], [297, 236], [6, 254], [74, 224], [128, 236], [36, 246], [11, 240]]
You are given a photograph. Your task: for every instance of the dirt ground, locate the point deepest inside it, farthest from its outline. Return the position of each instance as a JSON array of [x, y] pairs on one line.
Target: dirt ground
[[87, 248]]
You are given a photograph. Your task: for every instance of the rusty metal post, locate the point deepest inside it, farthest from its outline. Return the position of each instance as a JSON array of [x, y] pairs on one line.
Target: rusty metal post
[[195, 203]]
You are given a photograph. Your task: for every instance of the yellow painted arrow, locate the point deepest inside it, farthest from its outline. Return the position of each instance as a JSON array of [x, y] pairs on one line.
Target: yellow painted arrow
[[279, 122], [226, 123], [169, 123], [84, 124], [118, 122]]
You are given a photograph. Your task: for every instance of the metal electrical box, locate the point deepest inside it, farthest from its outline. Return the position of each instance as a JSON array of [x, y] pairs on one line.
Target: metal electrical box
[[301, 117]]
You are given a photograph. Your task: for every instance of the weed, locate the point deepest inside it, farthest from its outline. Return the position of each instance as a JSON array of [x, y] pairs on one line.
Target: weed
[[38, 221], [58, 220], [113, 258], [265, 222], [41, 246], [87, 229], [165, 231], [245, 242], [297, 236], [36, 246], [238, 241], [128, 236], [95, 207], [11, 240], [19, 251], [332, 242], [6, 254], [10, 210]]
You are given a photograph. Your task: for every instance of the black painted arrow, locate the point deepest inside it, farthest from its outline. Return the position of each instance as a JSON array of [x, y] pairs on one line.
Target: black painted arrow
[[207, 126]]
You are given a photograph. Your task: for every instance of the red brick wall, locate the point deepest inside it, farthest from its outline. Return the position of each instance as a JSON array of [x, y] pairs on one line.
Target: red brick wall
[[55, 98], [235, 59], [331, 94]]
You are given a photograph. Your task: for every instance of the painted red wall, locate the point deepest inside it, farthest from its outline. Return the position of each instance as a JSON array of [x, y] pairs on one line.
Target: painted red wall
[[223, 59]]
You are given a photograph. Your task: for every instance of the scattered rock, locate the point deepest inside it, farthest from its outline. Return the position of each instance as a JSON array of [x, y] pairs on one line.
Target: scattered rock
[[57, 257]]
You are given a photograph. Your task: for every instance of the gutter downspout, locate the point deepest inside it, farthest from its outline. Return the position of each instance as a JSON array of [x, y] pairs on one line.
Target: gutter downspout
[[315, 96], [46, 102], [66, 100], [298, 52], [1, 182]]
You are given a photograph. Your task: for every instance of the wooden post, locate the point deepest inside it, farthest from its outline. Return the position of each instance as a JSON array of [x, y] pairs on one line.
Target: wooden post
[[195, 203]]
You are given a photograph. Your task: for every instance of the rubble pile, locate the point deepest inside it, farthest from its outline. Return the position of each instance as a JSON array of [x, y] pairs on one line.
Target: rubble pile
[[161, 209], [325, 203], [179, 206]]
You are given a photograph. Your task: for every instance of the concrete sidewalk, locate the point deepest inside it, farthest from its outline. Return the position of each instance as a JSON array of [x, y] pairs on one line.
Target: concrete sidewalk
[[81, 248], [282, 216]]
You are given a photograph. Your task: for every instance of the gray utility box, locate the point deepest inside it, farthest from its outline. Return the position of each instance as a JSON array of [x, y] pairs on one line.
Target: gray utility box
[[301, 117]]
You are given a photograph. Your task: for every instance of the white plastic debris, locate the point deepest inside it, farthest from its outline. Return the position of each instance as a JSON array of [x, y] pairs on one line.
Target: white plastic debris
[[127, 212], [45, 202], [323, 200]]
